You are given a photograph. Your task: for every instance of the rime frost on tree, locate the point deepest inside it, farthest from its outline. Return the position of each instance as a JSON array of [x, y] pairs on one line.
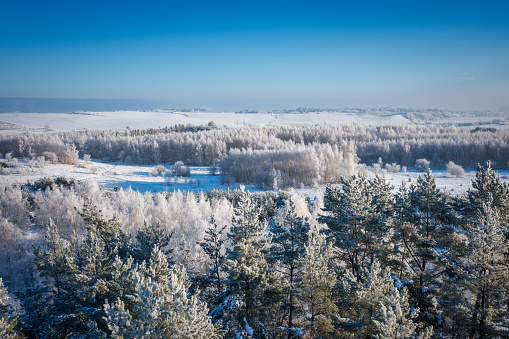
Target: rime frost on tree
[[245, 264], [317, 283], [422, 164], [374, 307], [455, 170], [7, 319], [160, 308]]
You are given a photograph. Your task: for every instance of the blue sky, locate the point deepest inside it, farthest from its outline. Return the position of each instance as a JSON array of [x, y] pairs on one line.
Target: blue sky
[[259, 54]]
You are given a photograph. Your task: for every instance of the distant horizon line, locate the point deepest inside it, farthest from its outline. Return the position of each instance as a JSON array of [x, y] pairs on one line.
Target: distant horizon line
[[149, 104]]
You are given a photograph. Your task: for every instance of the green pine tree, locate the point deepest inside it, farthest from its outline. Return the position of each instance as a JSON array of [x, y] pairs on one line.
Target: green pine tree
[[8, 320], [487, 275], [375, 307], [425, 232], [161, 307], [358, 218], [317, 280], [287, 247], [246, 265]]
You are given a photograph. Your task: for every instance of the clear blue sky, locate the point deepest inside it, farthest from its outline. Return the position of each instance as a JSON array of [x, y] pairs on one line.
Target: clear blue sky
[[259, 54]]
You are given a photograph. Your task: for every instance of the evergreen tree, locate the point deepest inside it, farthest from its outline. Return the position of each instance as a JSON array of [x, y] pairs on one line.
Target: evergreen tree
[[212, 283], [213, 247], [358, 218], [161, 306], [246, 265], [488, 188], [59, 313], [375, 308], [488, 276], [79, 277], [427, 236], [8, 320], [150, 236], [287, 247], [317, 283]]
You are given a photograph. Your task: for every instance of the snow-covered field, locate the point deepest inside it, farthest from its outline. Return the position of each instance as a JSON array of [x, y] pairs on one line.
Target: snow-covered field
[[12, 123], [111, 175], [141, 178]]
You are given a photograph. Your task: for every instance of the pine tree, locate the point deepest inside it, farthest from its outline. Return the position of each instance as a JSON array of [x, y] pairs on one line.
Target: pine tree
[[213, 247], [403, 215], [246, 265], [54, 262], [8, 320], [79, 277], [150, 236], [316, 286], [287, 247], [59, 312], [375, 308], [488, 275], [161, 306], [427, 236], [212, 283], [487, 185], [358, 218]]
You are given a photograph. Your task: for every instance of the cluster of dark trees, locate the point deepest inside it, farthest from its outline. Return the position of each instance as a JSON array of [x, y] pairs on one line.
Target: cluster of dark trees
[[363, 262], [208, 145]]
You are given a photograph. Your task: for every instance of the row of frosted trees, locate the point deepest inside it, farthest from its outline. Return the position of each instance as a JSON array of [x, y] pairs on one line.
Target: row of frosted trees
[[394, 144], [366, 261]]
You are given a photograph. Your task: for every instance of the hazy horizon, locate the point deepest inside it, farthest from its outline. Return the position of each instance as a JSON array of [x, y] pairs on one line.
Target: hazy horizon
[[62, 105], [259, 54]]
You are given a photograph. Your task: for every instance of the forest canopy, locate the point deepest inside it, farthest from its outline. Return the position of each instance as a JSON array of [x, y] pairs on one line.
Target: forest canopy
[[366, 260]]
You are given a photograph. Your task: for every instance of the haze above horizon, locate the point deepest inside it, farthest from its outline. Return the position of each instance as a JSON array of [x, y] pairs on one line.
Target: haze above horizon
[[259, 54]]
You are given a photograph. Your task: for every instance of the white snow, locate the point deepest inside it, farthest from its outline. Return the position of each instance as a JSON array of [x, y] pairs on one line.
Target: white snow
[[111, 175], [140, 178], [12, 123]]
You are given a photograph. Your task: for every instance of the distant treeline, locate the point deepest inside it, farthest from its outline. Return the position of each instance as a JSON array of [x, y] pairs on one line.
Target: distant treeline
[[208, 145]]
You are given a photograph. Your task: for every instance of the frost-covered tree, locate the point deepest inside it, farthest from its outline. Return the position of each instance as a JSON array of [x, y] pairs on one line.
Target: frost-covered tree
[[246, 264], [455, 170], [159, 306], [289, 238], [426, 235], [212, 283], [488, 187], [375, 307], [60, 310], [158, 170], [357, 217], [422, 164], [150, 236], [180, 170], [7, 319], [487, 276], [317, 280]]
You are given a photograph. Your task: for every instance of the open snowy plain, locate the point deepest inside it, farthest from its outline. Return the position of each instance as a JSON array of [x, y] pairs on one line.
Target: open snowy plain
[[141, 178], [12, 123]]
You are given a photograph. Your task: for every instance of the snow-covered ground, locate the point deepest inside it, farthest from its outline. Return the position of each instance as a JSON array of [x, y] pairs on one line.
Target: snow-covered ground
[[141, 178], [12, 123], [111, 175]]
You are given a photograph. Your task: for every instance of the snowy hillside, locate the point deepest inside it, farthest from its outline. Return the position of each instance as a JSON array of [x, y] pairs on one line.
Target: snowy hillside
[[22, 122]]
